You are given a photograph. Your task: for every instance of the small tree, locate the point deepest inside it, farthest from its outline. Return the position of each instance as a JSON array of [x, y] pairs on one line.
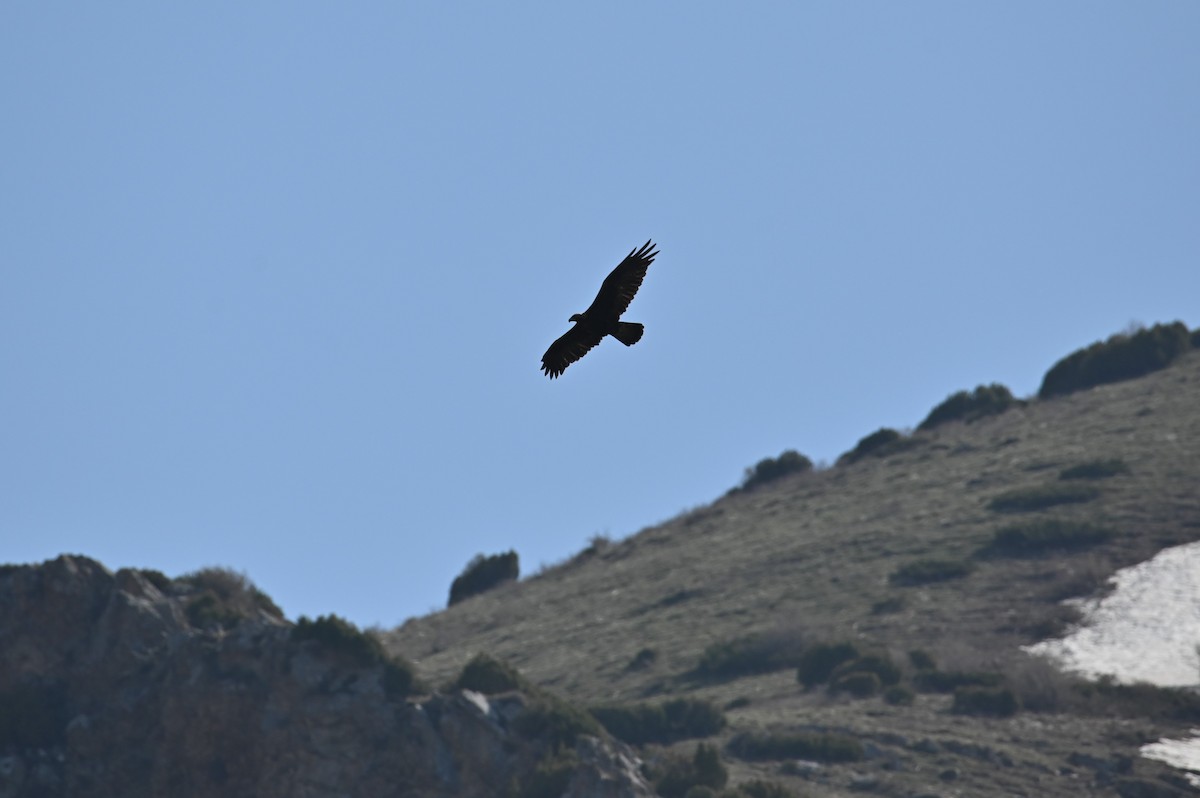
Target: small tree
[[772, 468], [880, 442], [1122, 357], [985, 400], [484, 573]]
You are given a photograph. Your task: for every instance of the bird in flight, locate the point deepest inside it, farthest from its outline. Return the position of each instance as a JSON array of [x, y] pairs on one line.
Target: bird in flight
[[603, 316]]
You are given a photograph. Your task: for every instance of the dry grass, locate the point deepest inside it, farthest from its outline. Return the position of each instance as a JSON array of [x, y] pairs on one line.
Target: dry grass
[[816, 551]]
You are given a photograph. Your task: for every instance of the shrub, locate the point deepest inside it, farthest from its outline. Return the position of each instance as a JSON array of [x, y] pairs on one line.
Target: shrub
[[1051, 621], [1108, 698], [399, 677], [880, 665], [860, 684], [1039, 498], [1095, 469], [677, 777], [921, 660], [818, 663], [985, 400], [888, 605], [923, 572], [1122, 357], [797, 745], [343, 639], [1051, 534], [1041, 686], [665, 723], [899, 695], [949, 681], [157, 578], [207, 612], [222, 598], [560, 723], [763, 789], [772, 468], [761, 653], [995, 701], [335, 634], [552, 775], [636, 724], [881, 442], [484, 573], [708, 768], [700, 791], [489, 676], [642, 660], [545, 715]]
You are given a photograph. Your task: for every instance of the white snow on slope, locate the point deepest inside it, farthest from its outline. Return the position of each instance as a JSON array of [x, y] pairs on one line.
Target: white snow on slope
[[1146, 630]]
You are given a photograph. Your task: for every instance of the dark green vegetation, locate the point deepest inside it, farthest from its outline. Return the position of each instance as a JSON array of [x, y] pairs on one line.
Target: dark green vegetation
[[1025, 500], [859, 684], [642, 660], [758, 788], [985, 400], [160, 580], [996, 701], [709, 591], [770, 469], [759, 653], [1095, 469], [880, 443], [489, 676], [340, 638], [819, 662], [561, 722], [545, 714], [1051, 534], [878, 665], [681, 776], [923, 572], [666, 722], [935, 681], [818, 747], [1122, 357], [220, 597], [551, 776], [899, 695], [484, 573]]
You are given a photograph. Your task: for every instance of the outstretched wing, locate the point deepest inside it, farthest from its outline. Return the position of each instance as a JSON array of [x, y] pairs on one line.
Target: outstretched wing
[[572, 345], [618, 288]]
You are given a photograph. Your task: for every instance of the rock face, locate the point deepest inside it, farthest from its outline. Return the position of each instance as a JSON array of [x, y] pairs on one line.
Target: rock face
[[109, 686]]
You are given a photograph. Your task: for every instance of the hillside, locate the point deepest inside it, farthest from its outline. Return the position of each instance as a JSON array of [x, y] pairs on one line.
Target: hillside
[[815, 557]]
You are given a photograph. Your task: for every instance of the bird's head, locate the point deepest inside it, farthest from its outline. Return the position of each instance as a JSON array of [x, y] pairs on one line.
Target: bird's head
[[576, 317]]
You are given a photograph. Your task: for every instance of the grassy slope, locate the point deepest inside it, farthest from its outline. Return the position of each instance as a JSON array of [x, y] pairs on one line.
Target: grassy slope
[[811, 554]]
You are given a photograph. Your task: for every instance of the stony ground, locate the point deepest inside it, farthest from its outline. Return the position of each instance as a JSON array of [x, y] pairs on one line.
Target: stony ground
[[809, 558]]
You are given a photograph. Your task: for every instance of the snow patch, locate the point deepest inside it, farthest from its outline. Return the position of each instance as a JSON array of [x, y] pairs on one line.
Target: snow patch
[[1146, 630]]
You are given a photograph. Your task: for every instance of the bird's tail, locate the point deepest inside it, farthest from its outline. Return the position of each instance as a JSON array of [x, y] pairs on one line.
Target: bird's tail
[[629, 332]]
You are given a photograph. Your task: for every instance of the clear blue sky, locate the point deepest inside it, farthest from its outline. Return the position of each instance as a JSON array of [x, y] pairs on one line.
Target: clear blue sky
[[275, 278]]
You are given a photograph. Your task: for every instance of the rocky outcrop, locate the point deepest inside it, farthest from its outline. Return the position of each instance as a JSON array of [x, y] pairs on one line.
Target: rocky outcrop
[[113, 684]]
